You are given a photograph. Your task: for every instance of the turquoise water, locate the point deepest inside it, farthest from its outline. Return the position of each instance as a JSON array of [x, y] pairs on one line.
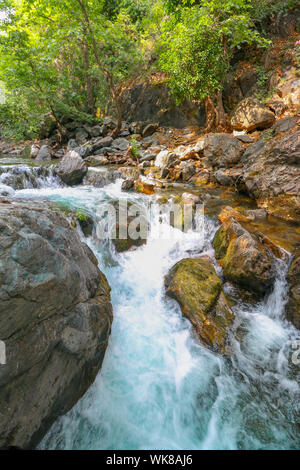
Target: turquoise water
[[158, 387]]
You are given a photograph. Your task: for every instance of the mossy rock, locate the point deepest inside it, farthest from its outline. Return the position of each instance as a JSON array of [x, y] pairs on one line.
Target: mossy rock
[[244, 259], [293, 305], [198, 290]]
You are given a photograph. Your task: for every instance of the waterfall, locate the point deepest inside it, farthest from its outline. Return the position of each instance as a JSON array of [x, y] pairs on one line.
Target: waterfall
[[159, 388]]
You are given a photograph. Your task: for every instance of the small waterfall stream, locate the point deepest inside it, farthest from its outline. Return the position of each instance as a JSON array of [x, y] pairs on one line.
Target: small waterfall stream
[[159, 388]]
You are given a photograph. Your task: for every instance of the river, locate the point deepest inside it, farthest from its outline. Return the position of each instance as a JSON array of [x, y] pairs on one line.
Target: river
[[159, 388]]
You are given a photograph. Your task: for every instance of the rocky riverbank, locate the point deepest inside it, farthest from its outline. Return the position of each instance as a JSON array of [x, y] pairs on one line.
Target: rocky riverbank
[[55, 320]]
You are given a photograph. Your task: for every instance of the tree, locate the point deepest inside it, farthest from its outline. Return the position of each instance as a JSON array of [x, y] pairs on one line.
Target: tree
[[62, 50], [196, 47]]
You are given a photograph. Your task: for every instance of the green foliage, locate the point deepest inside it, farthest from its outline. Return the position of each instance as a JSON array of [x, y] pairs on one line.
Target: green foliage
[[198, 42], [135, 147], [267, 135], [81, 215], [47, 54]]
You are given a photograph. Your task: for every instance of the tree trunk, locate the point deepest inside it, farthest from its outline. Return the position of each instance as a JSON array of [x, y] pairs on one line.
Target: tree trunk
[[106, 73], [210, 112], [89, 88], [221, 116]]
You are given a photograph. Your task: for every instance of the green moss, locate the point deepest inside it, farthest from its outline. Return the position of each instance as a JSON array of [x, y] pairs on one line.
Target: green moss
[[81, 216], [198, 290], [220, 243]]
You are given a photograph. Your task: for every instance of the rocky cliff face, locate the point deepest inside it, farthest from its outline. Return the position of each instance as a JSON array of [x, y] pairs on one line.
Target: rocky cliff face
[[154, 102], [55, 319]]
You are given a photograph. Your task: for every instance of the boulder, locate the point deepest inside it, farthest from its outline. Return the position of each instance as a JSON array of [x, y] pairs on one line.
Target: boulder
[[187, 169], [103, 142], [34, 150], [72, 144], [147, 102], [124, 244], [165, 159], [120, 144], [293, 278], [222, 150], [81, 136], [251, 114], [271, 175], [150, 129], [223, 178], [55, 320], [244, 259], [128, 184], [136, 127], [84, 151], [96, 131], [59, 154], [97, 160], [143, 187], [72, 168], [44, 154], [198, 290], [109, 122]]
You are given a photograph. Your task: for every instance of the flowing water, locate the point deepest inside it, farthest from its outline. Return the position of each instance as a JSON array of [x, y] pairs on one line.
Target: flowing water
[[159, 388]]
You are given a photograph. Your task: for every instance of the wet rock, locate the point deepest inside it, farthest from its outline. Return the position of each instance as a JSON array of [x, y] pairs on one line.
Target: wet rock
[[198, 290], [124, 240], [6, 191], [44, 154], [143, 187], [244, 259], [190, 199], [293, 305], [72, 168], [128, 184], [250, 114], [86, 223], [150, 129], [55, 319], [222, 150], [99, 177]]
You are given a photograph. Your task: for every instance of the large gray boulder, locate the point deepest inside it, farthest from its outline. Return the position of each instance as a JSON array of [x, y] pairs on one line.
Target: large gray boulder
[[271, 175], [55, 320], [72, 168], [44, 154], [251, 114], [222, 150]]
